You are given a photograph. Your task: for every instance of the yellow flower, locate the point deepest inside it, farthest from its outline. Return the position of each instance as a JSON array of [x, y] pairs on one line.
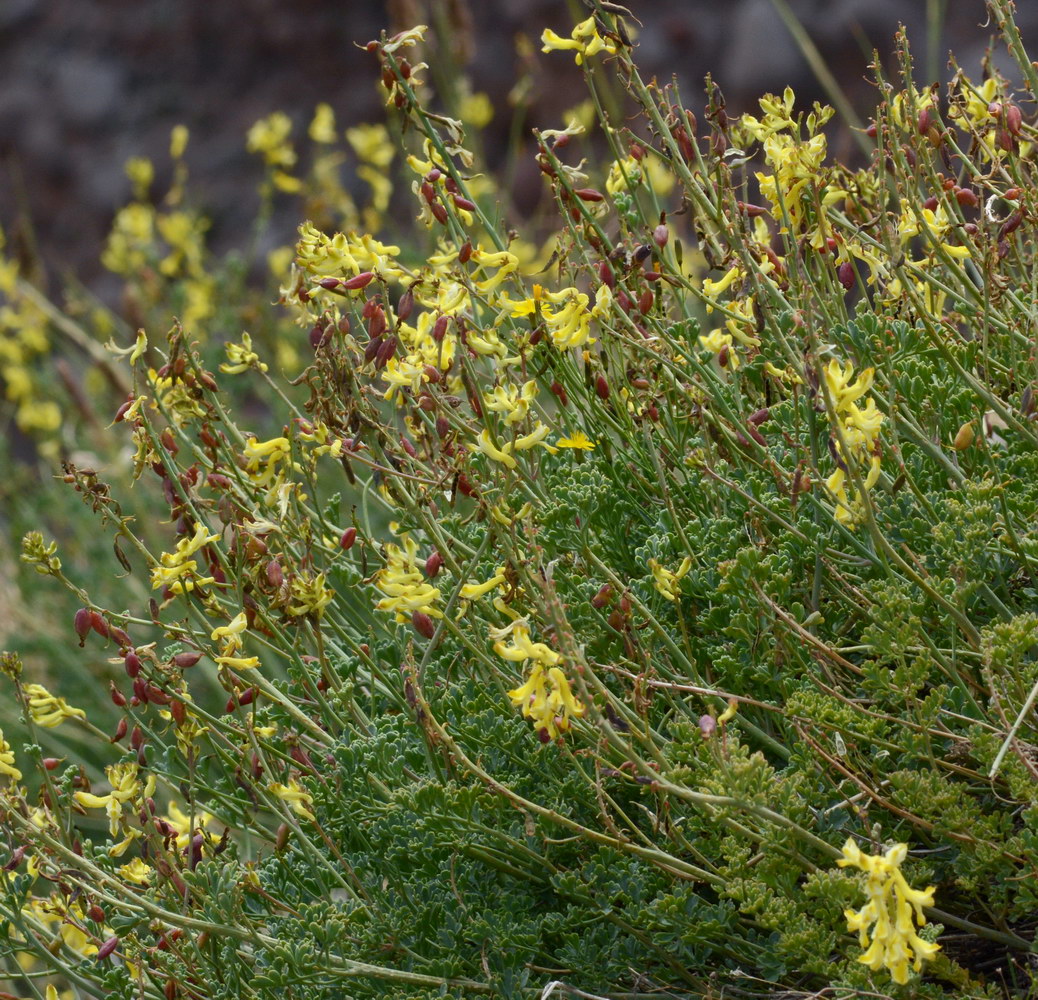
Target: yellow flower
[[242, 357], [547, 700], [176, 569], [7, 760], [666, 581], [309, 596], [296, 797], [892, 911], [471, 591], [404, 584], [576, 440], [125, 787], [231, 633], [584, 41], [48, 710]]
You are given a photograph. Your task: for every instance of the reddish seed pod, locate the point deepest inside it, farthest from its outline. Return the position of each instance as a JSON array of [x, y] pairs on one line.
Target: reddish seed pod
[[465, 253], [50, 763], [924, 121], [361, 280], [107, 948], [137, 738], [373, 347], [423, 624], [442, 426], [405, 306], [385, 352], [589, 194], [434, 175], [660, 235], [465, 487], [275, 577], [605, 274], [760, 417], [439, 330], [439, 213], [330, 283], [96, 913], [16, 858], [247, 697], [756, 434], [158, 696], [132, 663], [871, 131], [602, 387], [645, 301], [432, 374], [931, 203], [121, 412], [188, 659], [407, 446], [637, 150], [170, 989], [623, 301], [966, 197], [230, 706], [99, 625], [1012, 224], [559, 390], [428, 192], [349, 536], [179, 712], [846, 275], [377, 322], [82, 624], [1014, 119], [120, 730], [426, 403], [320, 336], [464, 203], [118, 698], [603, 597], [433, 565]]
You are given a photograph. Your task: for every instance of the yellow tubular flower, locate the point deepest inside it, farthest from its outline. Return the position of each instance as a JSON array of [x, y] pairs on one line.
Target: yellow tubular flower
[[47, 710], [300, 800], [473, 590], [584, 41], [666, 581], [7, 760], [892, 911], [125, 787], [404, 584]]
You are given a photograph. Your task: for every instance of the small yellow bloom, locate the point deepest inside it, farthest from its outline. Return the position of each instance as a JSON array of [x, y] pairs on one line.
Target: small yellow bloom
[[294, 795], [584, 41], [892, 911], [666, 581], [48, 710], [7, 760], [576, 440]]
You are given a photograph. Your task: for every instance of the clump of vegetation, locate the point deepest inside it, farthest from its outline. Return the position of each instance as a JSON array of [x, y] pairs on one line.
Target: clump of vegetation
[[653, 615]]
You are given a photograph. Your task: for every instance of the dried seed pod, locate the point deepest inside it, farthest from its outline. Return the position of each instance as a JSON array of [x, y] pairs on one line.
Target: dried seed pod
[[964, 436]]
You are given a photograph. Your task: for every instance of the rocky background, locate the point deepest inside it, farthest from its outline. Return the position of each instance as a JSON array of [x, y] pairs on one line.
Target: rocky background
[[85, 84]]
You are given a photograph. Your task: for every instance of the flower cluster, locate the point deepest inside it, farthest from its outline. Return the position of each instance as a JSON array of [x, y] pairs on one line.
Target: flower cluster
[[886, 923]]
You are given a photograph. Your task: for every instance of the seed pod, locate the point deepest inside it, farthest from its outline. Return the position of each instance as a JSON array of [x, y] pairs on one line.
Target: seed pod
[[1014, 119], [603, 597], [660, 235], [465, 252], [442, 426], [51, 763], [120, 414], [96, 913], [320, 336], [118, 698], [281, 840], [386, 351], [99, 625], [433, 565], [358, 281], [179, 712], [924, 121], [645, 301], [274, 573], [589, 194], [82, 624], [602, 387], [439, 330], [423, 624], [464, 203], [707, 725], [188, 659], [107, 948], [966, 197], [760, 416], [16, 858], [132, 663], [405, 306], [120, 730], [349, 536], [439, 213], [964, 436], [846, 275], [1012, 224]]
